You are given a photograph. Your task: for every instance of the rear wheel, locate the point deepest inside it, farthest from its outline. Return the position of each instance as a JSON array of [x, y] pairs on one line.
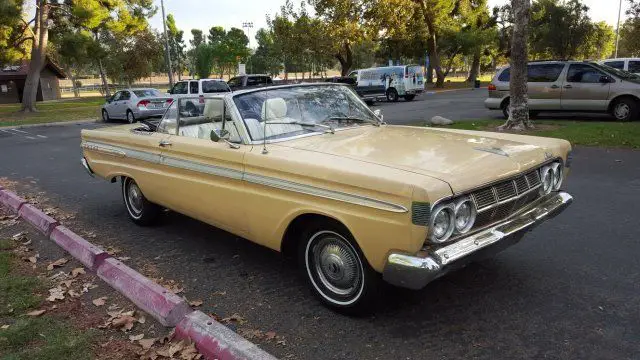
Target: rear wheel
[[130, 118], [534, 114], [392, 95], [336, 269], [140, 210], [409, 97], [625, 109]]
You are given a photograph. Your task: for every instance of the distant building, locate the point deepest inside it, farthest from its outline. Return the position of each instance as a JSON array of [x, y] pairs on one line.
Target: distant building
[[12, 79]]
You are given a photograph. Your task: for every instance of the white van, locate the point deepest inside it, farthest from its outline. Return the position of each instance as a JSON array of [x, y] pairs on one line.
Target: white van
[[391, 82], [631, 65]]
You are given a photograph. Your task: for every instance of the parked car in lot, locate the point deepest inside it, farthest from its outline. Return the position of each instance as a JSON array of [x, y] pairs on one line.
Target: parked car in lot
[[135, 104], [249, 81], [572, 86], [311, 171], [390, 82], [199, 88], [631, 65]]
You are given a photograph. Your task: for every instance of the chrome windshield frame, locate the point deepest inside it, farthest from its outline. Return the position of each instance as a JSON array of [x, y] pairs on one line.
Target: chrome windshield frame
[[245, 132]]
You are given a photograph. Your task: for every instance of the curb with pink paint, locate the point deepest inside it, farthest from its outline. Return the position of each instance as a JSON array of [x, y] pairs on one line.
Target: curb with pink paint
[[212, 339]]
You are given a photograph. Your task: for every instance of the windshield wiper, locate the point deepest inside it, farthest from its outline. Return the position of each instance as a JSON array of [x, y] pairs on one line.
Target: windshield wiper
[[348, 118], [328, 128]]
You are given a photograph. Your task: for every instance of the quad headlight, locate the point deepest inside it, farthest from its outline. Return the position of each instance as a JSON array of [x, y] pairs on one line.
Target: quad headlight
[[455, 217], [551, 177]]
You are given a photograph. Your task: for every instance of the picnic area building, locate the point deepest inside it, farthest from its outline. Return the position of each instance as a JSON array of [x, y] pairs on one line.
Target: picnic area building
[[12, 79]]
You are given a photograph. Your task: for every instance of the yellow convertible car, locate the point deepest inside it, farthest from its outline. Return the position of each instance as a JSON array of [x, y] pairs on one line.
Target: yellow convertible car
[[311, 171]]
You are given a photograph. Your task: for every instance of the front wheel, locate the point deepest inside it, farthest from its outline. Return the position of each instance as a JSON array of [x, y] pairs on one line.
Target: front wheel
[[336, 269], [141, 211], [105, 116], [506, 111], [409, 97], [392, 95]]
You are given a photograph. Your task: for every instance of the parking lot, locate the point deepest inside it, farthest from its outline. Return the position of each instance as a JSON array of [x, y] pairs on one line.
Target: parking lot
[[568, 291]]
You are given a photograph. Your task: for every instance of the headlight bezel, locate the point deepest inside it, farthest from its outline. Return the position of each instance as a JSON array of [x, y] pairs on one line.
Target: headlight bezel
[[448, 207], [558, 176], [472, 216]]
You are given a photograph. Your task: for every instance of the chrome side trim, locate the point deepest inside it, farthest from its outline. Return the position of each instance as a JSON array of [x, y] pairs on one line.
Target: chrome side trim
[[416, 271], [239, 175], [84, 163], [324, 193], [202, 168]]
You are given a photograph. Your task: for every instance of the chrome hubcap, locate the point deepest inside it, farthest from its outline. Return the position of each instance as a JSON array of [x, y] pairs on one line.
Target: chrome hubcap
[[622, 111], [135, 198], [337, 266]]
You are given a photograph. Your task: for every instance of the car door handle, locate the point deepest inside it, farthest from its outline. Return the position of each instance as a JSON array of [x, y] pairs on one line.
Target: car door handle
[[164, 143], [568, 87], [555, 86]]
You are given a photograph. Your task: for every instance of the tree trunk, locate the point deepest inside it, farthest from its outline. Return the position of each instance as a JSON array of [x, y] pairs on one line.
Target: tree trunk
[[38, 56], [76, 91], [519, 110], [103, 76], [345, 62], [432, 45], [475, 67]]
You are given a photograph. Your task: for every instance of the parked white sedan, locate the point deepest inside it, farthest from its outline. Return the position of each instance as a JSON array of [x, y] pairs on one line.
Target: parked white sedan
[[135, 104]]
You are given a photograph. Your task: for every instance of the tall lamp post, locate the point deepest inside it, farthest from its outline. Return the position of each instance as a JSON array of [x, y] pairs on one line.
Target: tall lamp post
[[248, 25], [166, 45], [618, 28]]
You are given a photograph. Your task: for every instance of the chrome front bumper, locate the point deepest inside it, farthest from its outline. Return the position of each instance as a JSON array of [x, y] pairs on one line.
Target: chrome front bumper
[[415, 271], [85, 164]]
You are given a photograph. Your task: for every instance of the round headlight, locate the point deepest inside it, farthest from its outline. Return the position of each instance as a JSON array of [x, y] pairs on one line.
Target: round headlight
[[557, 175], [442, 224], [465, 215], [546, 176]]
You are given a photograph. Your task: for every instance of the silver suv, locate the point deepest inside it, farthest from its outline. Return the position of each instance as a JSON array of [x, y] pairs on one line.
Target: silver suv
[[572, 86]]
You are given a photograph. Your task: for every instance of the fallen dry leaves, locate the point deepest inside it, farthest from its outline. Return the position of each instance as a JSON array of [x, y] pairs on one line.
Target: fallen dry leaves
[[56, 293], [100, 301], [77, 271], [57, 263], [36, 312], [196, 303]]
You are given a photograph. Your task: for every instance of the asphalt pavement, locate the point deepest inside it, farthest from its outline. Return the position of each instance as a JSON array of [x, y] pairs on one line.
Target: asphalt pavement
[[568, 291]]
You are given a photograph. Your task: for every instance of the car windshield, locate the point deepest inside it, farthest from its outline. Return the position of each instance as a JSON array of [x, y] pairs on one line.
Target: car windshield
[[617, 72], [298, 110], [147, 93]]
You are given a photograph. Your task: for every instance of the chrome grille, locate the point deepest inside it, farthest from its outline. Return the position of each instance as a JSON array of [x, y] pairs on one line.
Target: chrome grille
[[533, 178], [484, 198], [506, 190], [501, 200], [420, 213]]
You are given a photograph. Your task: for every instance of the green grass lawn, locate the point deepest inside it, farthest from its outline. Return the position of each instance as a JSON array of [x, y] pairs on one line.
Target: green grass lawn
[[52, 111], [45, 337], [587, 133]]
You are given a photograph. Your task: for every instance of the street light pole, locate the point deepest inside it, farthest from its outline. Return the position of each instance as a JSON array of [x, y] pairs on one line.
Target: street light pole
[[166, 45], [618, 28], [248, 25]]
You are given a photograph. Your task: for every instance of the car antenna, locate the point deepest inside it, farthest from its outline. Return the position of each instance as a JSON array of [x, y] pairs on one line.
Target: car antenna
[[264, 132]]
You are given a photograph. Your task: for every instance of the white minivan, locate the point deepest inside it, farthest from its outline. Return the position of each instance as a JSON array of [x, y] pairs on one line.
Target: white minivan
[[391, 82], [631, 65]]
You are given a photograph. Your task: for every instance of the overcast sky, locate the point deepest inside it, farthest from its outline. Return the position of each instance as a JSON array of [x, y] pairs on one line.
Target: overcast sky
[[203, 14]]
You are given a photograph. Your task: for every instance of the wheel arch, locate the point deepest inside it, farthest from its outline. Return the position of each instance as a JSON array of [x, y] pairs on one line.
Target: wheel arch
[[504, 101], [295, 228], [622, 96]]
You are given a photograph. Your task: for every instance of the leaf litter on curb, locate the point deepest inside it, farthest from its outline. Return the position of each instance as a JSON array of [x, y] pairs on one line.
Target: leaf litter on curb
[[196, 303], [56, 293], [77, 271], [36, 312]]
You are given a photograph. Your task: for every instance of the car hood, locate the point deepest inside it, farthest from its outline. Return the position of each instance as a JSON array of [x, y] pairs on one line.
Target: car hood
[[463, 160]]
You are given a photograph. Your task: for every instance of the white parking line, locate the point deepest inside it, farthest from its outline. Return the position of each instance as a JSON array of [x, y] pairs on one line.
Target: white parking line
[[41, 136], [30, 137], [20, 131], [5, 131]]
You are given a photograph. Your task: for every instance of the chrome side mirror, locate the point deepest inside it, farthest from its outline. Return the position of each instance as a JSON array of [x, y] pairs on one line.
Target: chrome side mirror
[[223, 135], [217, 135], [378, 114]]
